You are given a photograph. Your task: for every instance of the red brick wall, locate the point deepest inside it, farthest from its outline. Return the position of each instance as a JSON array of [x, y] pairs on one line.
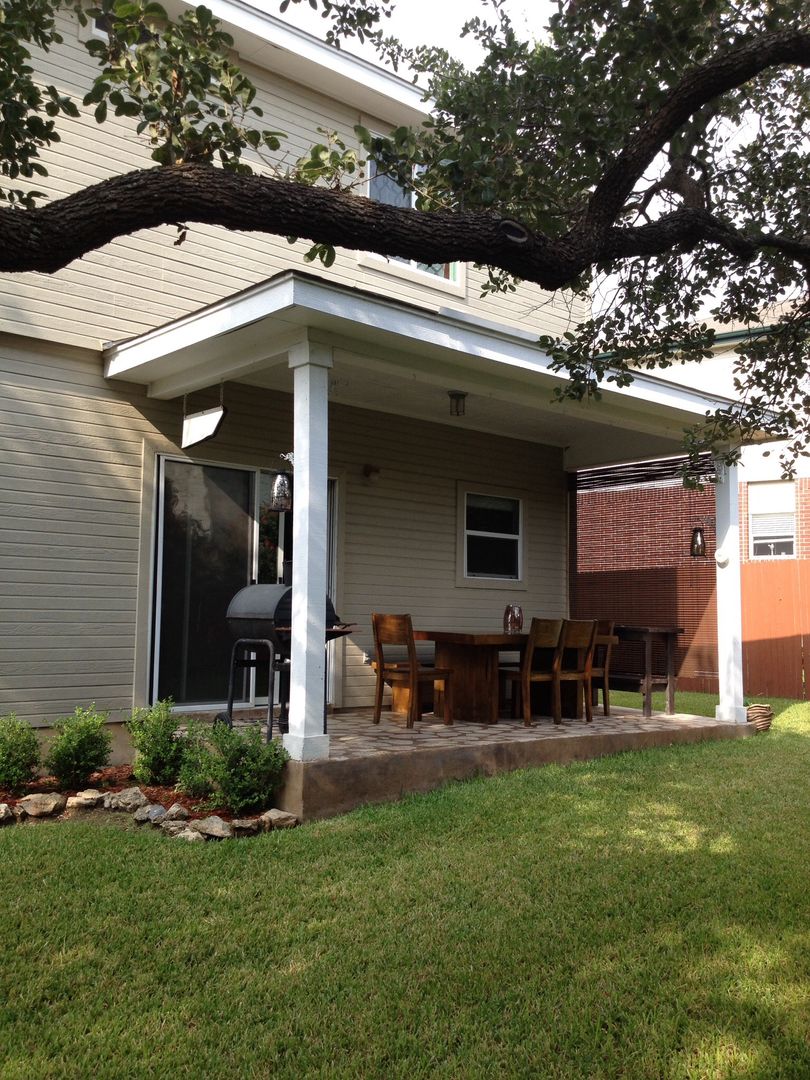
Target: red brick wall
[[631, 563]]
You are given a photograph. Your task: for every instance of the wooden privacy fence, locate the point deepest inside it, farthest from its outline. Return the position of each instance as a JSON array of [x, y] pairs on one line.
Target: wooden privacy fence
[[776, 627]]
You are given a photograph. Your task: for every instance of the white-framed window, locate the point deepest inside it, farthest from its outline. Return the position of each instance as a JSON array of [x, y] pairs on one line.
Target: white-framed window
[[384, 189], [772, 519], [491, 538]]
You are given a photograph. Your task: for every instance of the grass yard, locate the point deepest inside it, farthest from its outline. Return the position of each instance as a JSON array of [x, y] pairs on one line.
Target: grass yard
[[647, 915]]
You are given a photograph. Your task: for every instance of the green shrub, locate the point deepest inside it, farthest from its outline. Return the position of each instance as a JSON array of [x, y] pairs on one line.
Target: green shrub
[[19, 752], [81, 746], [158, 743], [198, 769], [235, 768]]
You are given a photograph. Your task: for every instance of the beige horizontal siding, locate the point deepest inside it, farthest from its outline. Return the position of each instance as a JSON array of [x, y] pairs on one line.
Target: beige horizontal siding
[[76, 527], [142, 281]]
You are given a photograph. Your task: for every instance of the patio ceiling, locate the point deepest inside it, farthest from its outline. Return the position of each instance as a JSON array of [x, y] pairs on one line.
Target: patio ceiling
[[402, 359]]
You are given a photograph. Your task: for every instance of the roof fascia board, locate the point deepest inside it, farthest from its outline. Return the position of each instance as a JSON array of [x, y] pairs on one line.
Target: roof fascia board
[[306, 59]]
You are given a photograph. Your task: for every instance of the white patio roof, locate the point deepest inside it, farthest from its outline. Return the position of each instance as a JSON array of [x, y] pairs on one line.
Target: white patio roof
[[402, 359]]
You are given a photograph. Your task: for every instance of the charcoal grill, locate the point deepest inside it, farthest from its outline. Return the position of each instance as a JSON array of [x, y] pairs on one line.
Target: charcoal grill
[[259, 618]]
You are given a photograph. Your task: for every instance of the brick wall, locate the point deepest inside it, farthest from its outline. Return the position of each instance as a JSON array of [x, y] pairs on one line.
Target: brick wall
[[630, 561]]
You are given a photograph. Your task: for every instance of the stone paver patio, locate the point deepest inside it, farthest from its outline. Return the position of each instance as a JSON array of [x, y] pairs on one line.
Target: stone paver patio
[[370, 763]]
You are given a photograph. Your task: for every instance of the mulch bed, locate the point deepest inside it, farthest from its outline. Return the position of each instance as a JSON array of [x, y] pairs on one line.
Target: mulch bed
[[116, 778]]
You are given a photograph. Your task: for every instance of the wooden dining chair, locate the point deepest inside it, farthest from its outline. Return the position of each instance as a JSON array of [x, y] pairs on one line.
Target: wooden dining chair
[[577, 645], [546, 635], [600, 669], [396, 632]]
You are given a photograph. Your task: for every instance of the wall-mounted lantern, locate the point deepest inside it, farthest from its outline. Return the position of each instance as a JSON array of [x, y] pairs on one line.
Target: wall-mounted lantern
[[697, 548]]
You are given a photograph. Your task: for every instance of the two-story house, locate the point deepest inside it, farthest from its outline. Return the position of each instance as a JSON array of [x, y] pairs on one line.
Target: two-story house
[[430, 464]]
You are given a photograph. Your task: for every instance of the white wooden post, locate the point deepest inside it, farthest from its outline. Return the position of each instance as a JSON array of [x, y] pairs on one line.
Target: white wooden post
[[729, 596], [306, 740]]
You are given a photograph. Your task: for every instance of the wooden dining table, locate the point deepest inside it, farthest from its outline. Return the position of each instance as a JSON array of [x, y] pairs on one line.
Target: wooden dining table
[[473, 659]]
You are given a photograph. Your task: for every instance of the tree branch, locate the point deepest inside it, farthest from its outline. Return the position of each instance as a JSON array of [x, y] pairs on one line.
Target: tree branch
[[696, 89], [50, 237]]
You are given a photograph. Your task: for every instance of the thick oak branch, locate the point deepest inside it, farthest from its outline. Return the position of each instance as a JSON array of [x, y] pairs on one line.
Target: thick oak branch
[[48, 238]]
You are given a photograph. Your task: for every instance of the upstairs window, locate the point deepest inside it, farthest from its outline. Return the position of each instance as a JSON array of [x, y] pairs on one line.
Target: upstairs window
[[772, 520], [492, 536], [384, 189]]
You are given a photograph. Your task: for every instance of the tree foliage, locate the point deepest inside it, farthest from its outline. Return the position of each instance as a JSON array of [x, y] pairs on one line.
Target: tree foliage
[[652, 155]]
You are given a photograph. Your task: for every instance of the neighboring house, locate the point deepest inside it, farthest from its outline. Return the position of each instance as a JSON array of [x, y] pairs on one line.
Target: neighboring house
[[631, 554], [120, 550]]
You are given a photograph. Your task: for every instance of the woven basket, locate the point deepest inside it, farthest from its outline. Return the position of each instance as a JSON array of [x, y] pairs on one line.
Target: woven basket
[[761, 716]]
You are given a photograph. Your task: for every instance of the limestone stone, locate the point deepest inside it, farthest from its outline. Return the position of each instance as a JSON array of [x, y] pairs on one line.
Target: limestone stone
[[43, 805], [187, 833], [6, 814], [277, 819], [177, 812], [245, 826], [90, 796], [85, 800], [172, 828], [213, 827], [129, 800]]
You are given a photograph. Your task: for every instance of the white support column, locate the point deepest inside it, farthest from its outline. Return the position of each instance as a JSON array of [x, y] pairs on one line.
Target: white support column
[[306, 740], [729, 596]]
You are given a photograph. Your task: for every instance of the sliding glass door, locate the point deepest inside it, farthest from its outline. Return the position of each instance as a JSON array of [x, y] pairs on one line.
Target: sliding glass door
[[215, 534], [205, 548]]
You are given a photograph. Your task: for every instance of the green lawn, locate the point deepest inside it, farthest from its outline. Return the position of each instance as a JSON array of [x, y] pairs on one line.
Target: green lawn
[[687, 701], [646, 915]]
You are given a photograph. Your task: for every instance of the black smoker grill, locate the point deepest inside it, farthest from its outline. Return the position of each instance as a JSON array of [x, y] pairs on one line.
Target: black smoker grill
[[259, 618]]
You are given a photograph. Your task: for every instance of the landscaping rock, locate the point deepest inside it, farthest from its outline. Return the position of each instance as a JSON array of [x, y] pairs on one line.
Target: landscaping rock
[[277, 819], [43, 805], [245, 826], [151, 814], [85, 800], [173, 828], [6, 814], [129, 800], [91, 796], [177, 812], [213, 827], [189, 834]]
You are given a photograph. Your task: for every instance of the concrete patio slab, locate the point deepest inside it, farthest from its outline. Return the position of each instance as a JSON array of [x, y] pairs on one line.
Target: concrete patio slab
[[371, 763]]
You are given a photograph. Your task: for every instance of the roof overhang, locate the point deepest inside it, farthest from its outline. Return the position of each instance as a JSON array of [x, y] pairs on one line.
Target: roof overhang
[[400, 358], [276, 46]]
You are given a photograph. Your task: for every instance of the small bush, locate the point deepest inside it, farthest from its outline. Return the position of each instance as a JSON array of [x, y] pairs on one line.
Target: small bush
[[198, 770], [238, 769], [81, 746], [19, 752], [158, 743]]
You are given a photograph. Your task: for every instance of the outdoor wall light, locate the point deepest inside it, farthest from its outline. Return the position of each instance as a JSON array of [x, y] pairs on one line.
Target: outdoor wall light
[[371, 473], [281, 493], [458, 399], [282, 490], [697, 548]]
